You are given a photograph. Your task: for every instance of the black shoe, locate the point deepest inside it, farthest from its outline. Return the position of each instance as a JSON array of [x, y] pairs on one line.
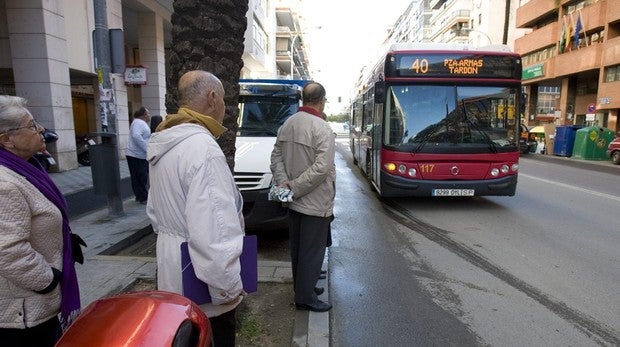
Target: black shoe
[[318, 306], [323, 272], [322, 277], [319, 290]]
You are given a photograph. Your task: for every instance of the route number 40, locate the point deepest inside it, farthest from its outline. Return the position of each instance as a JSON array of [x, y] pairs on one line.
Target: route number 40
[[420, 66]]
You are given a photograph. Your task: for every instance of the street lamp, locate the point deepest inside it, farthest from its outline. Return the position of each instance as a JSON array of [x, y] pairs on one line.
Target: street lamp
[[466, 31], [480, 32]]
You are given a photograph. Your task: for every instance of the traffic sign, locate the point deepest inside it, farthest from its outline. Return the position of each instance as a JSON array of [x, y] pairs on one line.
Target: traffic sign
[[591, 108]]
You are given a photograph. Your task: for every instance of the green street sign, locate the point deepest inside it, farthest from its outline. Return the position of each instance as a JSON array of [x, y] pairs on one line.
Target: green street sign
[[533, 72]]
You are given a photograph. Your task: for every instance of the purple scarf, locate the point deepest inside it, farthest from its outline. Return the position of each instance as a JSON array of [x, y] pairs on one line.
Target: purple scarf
[[35, 174]]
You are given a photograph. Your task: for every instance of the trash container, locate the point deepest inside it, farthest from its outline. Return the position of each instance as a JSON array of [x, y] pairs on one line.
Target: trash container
[[591, 143], [103, 155], [565, 139]]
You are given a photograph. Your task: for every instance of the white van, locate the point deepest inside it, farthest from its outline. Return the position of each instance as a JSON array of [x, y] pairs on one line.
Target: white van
[[264, 105]]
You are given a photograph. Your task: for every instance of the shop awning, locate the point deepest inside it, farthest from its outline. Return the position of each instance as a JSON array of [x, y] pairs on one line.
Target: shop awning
[[538, 129]]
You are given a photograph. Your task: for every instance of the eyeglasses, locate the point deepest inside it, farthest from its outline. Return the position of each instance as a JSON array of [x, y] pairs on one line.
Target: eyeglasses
[[33, 125]]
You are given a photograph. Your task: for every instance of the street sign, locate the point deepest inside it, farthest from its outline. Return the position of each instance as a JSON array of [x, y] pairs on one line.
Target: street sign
[[591, 108]]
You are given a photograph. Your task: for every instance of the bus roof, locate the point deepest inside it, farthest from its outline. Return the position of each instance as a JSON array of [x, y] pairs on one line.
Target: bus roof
[[433, 46]]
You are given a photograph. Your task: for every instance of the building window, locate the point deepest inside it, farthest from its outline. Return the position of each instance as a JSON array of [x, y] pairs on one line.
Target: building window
[[539, 56], [547, 96], [259, 36], [612, 73]]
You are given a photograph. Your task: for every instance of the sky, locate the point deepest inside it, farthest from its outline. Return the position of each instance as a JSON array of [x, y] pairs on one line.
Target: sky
[[350, 35]]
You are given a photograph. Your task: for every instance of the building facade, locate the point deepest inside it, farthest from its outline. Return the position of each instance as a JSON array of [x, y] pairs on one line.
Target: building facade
[[571, 61], [47, 56]]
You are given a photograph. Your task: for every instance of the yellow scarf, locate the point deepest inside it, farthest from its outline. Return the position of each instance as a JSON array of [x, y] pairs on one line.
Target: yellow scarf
[[185, 115]]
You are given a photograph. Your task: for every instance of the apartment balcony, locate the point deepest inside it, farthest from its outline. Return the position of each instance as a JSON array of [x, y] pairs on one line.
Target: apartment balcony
[[284, 31], [579, 60], [286, 18], [455, 19], [284, 60], [529, 13], [538, 39], [611, 52], [613, 11], [593, 16]]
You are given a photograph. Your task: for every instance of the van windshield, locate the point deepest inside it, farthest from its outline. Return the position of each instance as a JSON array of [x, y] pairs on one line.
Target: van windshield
[[263, 116]]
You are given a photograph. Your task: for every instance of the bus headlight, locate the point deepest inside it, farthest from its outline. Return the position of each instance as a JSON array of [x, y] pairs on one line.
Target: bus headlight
[[494, 172], [504, 169], [412, 172], [515, 167], [402, 168]]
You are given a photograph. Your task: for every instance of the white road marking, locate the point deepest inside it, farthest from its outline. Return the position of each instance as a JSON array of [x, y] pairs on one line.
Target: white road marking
[[568, 186]]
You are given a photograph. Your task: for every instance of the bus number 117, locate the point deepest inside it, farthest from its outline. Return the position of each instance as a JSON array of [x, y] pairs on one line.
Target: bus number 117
[[420, 66]]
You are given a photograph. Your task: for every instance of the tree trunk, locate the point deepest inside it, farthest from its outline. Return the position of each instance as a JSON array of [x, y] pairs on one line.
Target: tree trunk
[[208, 35]]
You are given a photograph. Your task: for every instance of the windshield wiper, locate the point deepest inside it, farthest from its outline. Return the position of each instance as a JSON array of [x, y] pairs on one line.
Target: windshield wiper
[[485, 136], [424, 140]]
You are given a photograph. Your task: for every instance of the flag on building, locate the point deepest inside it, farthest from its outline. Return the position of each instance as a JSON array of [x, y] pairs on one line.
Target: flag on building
[[578, 28], [563, 36], [569, 31]]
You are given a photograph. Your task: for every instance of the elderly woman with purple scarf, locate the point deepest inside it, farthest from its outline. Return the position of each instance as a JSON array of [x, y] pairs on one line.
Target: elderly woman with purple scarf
[[39, 294]]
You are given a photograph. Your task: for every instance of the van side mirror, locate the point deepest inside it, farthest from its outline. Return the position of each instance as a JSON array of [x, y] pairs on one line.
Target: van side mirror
[[380, 92]]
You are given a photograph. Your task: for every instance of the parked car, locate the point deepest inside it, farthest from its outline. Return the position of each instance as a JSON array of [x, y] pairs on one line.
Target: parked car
[[613, 150], [148, 318]]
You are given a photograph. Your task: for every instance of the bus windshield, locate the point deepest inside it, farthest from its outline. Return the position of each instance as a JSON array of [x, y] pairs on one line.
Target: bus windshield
[[451, 119]]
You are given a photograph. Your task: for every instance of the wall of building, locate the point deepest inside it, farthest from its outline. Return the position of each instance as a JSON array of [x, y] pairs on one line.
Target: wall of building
[[79, 34]]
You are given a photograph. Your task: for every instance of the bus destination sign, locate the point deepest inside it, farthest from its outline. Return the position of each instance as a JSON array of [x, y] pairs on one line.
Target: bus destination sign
[[452, 65]]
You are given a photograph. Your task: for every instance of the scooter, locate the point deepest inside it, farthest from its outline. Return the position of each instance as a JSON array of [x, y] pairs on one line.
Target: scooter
[[83, 154], [43, 156]]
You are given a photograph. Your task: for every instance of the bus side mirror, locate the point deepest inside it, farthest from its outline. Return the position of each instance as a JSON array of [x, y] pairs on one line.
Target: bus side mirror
[[379, 92]]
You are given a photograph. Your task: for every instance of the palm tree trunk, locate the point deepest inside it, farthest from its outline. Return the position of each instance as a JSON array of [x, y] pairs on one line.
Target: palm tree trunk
[[209, 35]]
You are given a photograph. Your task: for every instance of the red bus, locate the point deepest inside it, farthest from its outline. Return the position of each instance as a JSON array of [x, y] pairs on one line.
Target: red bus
[[440, 120]]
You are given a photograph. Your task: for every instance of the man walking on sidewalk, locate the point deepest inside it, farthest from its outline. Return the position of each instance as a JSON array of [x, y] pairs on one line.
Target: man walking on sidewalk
[[139, 133], [303, 161]]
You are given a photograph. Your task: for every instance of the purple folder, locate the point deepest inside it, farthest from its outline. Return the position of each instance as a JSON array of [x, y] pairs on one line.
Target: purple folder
[[198, 291]]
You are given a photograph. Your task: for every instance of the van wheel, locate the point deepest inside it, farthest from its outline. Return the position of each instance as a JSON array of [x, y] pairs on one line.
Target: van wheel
[[615, 157]]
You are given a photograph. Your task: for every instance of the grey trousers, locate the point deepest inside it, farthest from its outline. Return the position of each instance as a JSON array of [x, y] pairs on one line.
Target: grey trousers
[[308, 239]]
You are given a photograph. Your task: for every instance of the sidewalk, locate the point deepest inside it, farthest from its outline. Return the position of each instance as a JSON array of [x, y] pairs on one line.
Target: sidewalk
[[103, 275]]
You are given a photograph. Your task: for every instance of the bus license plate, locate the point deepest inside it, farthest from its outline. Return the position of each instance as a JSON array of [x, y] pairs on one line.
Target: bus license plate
[[453, 192]]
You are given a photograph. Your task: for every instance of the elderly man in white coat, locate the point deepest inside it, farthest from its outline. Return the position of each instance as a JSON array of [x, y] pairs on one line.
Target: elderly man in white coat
[[193, 198]]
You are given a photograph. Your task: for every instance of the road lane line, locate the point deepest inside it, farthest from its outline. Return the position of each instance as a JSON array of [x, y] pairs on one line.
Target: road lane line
[[563, 185]]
